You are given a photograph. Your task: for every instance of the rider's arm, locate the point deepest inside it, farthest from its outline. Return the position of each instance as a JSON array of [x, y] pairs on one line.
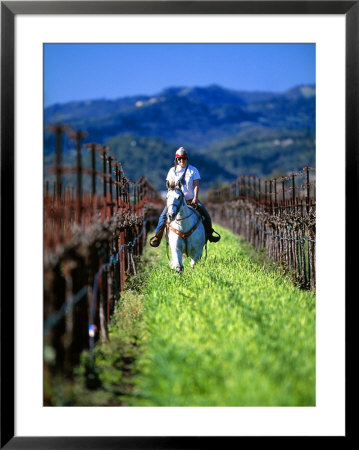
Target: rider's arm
[[195, 190]]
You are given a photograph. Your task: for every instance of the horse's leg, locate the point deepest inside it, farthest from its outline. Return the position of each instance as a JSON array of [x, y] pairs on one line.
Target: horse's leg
[[176, 252], [179, 265], [196, 257], [197, 243], [176, 262]]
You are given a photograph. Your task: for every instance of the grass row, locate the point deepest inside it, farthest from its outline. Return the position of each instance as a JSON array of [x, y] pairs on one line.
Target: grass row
[[232, 332]]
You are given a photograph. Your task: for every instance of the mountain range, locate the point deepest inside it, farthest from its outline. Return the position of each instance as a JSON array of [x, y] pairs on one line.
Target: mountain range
[[228, 133]]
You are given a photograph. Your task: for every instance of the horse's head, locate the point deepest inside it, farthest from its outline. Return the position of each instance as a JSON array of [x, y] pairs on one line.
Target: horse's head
[[174, 197]]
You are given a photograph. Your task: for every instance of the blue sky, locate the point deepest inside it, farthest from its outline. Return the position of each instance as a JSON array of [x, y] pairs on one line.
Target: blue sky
[[93, 71]]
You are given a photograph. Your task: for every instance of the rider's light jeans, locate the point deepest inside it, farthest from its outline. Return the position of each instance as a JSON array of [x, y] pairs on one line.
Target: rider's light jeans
[[162, 219]]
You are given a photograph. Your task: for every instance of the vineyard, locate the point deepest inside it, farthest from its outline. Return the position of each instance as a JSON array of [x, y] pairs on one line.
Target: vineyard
[[232, 332], [91, 242], [109, 296]]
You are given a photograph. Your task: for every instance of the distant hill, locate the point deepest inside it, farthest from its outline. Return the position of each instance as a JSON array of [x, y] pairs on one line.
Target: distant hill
[[264, 152], [239, 132], [153, 158]]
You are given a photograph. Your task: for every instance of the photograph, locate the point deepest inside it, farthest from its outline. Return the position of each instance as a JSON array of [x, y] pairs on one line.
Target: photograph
[[179, 200], [176, 188]]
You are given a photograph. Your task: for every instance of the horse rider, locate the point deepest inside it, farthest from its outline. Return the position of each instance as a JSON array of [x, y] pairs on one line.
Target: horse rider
[[189, 177]]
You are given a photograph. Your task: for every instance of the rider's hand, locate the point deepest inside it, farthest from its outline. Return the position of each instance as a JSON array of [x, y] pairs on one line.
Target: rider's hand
[[194, 202]]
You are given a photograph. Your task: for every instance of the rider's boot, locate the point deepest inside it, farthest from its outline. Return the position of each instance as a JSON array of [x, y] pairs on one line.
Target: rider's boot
[[207, 222], [209, 232], [156, 239], [211, 237]]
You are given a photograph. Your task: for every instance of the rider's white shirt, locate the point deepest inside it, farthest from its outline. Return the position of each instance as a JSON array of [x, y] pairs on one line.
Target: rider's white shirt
[[192, 174]]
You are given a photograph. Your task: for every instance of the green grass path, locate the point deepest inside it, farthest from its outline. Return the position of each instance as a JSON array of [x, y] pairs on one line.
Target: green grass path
[[231, 332]]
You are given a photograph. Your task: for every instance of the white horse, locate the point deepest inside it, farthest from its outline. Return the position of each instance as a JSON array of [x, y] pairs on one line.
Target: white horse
[[185, 230]]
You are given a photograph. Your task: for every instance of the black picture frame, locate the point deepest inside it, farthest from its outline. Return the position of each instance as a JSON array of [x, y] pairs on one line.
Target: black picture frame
[[9, 9]]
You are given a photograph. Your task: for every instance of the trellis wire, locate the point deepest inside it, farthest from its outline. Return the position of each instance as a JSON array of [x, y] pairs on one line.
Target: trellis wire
[[54, 318], [279, 218]]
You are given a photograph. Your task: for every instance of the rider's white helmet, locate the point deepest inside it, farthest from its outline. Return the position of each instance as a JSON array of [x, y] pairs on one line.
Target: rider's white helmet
[[181, 153]]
